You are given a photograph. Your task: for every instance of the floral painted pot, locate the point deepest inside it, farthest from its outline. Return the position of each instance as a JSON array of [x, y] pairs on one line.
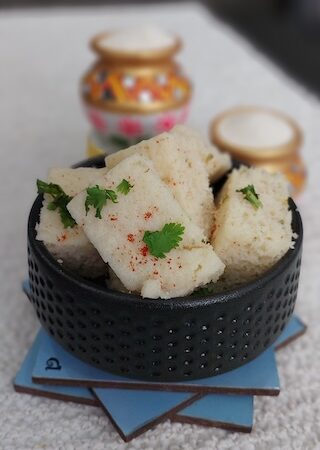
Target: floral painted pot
[[250, 134], [130, 96]]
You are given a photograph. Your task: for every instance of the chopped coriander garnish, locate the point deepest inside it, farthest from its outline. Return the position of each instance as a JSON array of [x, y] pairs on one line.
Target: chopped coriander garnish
[[49, 188], [250, 194], [124, 187], [98, 197], [161, 242], [60, 201], [205, 290]]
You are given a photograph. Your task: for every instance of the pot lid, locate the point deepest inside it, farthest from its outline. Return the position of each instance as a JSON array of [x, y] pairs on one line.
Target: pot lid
[[253, 133], [145, 43]]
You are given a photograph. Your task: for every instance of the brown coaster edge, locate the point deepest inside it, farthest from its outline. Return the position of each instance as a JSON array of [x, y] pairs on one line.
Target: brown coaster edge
[[153, 423], [56, 396], [170, 387], [210, 423]]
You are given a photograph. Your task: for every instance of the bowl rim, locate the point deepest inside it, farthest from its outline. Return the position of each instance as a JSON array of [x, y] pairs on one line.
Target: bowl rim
[[187, 302]]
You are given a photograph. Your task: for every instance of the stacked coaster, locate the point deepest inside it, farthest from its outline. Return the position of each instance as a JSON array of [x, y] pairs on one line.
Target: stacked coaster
[[134, 406]]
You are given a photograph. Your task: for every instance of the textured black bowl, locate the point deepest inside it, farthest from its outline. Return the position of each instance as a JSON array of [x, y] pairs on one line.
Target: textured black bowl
[[161, 340]]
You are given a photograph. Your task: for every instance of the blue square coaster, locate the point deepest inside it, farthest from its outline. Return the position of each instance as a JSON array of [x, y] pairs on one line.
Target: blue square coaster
[[258, 377], [133, 412], [23, 382], [232, 412]]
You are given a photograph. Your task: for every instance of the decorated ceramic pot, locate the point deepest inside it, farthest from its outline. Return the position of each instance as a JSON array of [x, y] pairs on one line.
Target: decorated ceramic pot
[[135, 89], [262, 137]]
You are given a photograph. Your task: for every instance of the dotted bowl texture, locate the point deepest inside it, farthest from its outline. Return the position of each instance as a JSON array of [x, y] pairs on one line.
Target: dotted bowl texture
[[161, 340]]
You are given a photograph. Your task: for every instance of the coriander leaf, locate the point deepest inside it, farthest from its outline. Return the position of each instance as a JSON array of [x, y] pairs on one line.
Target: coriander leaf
[[60, 201], [161, 242], [124, 187], [50, 188], [97, 198], [205, 290], [52, 206], [65, 216], [111, 195], [250, 194]]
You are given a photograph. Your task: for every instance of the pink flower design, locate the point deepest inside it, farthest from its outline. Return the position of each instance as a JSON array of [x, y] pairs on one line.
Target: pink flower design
[[97, 120], [166, 122], [130, 127]]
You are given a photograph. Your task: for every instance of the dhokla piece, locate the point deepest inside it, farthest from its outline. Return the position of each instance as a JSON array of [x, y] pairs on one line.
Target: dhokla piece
[[70, 246], [118, 235], [216, 162], [181, 170], [251, 236]]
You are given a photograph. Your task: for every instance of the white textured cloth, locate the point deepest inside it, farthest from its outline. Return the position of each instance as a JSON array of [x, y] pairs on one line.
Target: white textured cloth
[[42, 54]]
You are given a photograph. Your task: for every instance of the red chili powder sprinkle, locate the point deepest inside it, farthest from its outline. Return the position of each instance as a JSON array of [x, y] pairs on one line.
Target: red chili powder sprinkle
[[156, 272], [144, 251], [62, 237], [130, 238], [113, 218], [147, 215]]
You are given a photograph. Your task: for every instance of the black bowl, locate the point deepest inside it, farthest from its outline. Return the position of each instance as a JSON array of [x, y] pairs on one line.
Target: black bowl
[[161, 340]]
